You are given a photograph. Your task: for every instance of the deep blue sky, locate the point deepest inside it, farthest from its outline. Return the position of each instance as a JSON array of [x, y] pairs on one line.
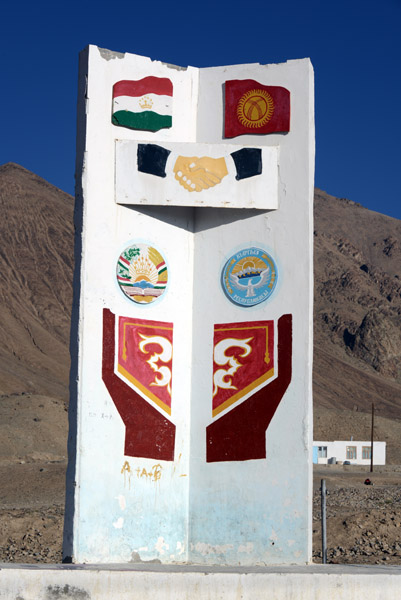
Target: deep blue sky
[[354, 46]]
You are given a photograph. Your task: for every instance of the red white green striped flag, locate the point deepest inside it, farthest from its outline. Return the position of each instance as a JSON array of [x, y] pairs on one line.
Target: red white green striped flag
[[145, 104]]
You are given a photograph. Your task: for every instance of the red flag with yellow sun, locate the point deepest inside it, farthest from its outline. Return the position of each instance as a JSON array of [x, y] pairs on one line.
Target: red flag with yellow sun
[[254, 108]]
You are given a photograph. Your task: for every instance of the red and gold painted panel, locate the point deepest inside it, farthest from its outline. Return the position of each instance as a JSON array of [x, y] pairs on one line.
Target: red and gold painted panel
[[145, 358], [243, 359], [240, 433], [148, 433]]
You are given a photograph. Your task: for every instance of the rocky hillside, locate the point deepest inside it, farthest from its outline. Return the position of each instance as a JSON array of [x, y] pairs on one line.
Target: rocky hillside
[[357, 325], [358, 286], [36, 262]]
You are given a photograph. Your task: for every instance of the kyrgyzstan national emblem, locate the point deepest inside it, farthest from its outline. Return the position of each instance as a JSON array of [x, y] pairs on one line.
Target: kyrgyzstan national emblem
[[142, 273], [243, 359], [249, 277]]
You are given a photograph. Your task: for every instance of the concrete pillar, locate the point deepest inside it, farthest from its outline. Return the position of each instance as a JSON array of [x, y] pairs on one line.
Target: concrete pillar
[[190, 417]]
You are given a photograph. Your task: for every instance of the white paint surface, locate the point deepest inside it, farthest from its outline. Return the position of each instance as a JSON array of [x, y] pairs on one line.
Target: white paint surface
[[220, 513], [119, 523], [121, 501]]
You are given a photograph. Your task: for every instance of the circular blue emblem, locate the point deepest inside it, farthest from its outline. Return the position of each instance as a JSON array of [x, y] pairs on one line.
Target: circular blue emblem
[[249, 277]]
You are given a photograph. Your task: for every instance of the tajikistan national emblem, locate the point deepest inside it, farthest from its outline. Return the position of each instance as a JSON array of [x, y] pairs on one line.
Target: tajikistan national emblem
[[142, 273], [249, 277]]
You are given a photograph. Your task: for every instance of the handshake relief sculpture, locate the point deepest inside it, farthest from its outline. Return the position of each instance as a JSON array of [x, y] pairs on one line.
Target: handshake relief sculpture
[[197, 174]]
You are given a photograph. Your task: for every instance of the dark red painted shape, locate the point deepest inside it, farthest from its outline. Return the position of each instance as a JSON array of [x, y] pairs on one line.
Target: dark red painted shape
[[147, 433], [240, 434]]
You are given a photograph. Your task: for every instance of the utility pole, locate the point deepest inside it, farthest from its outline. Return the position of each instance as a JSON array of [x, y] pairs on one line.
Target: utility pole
[[371, 438]]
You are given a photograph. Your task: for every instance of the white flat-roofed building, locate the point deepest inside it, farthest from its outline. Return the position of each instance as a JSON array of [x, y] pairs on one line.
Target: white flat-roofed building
[[351, 451]]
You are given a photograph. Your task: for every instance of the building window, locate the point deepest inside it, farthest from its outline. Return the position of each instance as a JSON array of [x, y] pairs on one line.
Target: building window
[[366, 452], [351, 452], [322, 452]]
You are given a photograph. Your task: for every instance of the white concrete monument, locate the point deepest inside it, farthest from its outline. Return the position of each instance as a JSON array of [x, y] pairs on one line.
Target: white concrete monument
[[191, 405]]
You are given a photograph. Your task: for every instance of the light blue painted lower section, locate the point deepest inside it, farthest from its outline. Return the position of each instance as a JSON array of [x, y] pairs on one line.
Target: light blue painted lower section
[[250, 526], [140, 515]]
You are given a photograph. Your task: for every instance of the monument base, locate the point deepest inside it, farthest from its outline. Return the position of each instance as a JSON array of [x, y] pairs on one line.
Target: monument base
[[158, 582]]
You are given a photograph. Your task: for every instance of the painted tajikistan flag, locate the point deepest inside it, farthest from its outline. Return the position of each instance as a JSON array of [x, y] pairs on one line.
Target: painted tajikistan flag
[[144, 104]]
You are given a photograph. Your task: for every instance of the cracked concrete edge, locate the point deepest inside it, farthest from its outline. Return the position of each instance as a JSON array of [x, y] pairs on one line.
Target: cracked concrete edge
[[109, 54]]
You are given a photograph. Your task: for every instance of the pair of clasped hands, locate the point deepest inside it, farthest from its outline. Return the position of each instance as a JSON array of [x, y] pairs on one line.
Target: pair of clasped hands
[[197, 174]]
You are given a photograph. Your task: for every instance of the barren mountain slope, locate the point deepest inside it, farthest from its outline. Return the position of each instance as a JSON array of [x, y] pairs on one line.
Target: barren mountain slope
[[36, 258], [358, 285], [357, 323]]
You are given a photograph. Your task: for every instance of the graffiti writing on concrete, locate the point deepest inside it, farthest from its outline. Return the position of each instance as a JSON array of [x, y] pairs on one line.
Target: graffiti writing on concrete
[[131, 472]]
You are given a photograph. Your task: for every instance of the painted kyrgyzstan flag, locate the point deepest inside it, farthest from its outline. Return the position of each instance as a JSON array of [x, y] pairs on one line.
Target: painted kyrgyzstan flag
[[145, 104], [254, 108]]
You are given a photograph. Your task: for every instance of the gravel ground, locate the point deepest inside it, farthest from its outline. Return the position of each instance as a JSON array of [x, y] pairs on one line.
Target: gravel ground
[[31, 535], [363, 522]]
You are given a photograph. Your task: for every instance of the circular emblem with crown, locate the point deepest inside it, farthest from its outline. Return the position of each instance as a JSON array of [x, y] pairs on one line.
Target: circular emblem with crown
[[249, 277], [142, 273], [255, 108]]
